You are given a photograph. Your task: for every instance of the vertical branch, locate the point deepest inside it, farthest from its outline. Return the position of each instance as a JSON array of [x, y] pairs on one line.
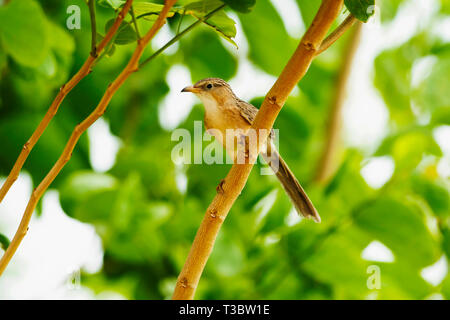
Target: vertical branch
[[53, 109], [131, 67], [91, 4], [133, 17], [328, 158], [232, 185]]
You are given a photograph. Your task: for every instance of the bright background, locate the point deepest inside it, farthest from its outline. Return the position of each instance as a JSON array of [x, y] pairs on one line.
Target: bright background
[[119, 221]]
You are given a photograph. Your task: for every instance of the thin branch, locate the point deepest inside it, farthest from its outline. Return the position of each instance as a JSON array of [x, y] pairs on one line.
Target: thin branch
[[131, 67], [53, 109], [182, 33], [337, 33], [133, 17], [328, 158], [236, 179], [181, 20], [91, 4]]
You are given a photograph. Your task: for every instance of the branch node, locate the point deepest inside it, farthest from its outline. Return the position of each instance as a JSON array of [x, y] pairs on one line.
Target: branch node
[[310, 46], [184, 282], [213, 213], [26, 146], [219, 188]]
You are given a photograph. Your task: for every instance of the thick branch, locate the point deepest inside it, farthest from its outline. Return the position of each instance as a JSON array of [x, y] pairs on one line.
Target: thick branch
[[65, 89], [131, 67], [236, 179], [328, 158]]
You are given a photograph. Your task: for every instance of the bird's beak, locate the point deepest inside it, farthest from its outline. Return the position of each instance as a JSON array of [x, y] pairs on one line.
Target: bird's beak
[[191, 89]]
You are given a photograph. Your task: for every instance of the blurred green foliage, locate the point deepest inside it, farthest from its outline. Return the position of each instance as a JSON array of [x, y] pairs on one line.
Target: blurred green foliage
[[147, 222]]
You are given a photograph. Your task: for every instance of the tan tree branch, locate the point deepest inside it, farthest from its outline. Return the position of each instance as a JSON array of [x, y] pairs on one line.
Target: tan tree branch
[[236, 179], [131, 67], [327, 162], [53, 109]]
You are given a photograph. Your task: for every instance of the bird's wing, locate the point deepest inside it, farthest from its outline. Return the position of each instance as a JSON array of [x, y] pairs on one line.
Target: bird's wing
[[248, 111]]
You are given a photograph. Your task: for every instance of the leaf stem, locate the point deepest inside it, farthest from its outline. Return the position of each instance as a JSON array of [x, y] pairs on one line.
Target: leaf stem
[[179, 35]]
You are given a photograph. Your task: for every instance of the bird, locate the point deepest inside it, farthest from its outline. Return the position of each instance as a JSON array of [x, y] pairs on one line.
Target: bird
[[226, 114]]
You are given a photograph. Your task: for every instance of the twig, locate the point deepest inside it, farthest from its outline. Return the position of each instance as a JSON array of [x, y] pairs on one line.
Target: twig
[[337, 33], [91, 4], [133, 17], [328, 157], [237, 177], [131, 67], [182, 33], [181, 20], [64, 90]]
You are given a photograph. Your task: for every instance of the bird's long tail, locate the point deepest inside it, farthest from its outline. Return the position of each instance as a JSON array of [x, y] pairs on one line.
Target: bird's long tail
[[298, 196]]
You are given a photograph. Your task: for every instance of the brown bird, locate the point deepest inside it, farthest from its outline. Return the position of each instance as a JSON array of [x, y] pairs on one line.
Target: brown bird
[[225, 111]]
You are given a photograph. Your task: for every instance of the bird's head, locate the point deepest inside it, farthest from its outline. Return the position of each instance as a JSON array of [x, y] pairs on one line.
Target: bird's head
[[212, 90]]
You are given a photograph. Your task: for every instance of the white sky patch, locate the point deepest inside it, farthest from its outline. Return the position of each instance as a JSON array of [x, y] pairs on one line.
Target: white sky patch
[[54, 247], [441, 28], [161, 38], [103, 146], [365, 114], [421, 70], [292, 218], [250, 81], [378, 171], [290, 14], [435, 273], [177, 105], [442, 137], [376, 251], [181, 179]]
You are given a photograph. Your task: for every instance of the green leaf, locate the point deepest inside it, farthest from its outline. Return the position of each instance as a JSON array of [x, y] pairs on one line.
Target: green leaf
[[388, 9], [445, 287], [436, 195], [84, 185], [244, 6], [110, 47], [4, 242], [270, 58], [433, 93], [308, 10], [445, 6], [400, 227], [400, 281], [23, 32], [223, 25], [361, 9], [125, 35], [203, 63], [338, 262], [409, 146], [220, 22], [115, 4], [150, 11]]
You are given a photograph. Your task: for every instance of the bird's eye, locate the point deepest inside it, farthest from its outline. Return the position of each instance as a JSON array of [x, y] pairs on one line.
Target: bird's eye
[[209, 86]]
